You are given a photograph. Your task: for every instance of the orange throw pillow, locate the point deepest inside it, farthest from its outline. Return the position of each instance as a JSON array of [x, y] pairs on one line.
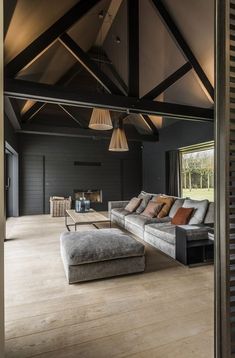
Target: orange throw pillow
[[167, 202], [182, 216]]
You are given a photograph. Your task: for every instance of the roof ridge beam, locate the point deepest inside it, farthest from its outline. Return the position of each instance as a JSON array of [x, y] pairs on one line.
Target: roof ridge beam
[[133, 47]]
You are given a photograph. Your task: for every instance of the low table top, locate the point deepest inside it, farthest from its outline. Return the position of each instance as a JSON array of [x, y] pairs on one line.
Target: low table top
[[88, 217]]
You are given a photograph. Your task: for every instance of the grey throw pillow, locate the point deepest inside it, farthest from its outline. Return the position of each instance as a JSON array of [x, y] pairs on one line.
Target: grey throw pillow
[[133, 204], [200, 207], [145, 200]]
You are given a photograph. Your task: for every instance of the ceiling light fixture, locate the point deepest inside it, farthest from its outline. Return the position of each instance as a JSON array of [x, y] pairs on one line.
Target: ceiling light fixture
[[100, 120], [118, 141]]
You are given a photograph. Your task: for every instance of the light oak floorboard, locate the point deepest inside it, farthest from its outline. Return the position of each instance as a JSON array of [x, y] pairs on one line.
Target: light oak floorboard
[[166, 310]]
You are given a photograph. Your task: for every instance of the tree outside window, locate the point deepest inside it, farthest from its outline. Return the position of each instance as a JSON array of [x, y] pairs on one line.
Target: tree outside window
[[197, 174]]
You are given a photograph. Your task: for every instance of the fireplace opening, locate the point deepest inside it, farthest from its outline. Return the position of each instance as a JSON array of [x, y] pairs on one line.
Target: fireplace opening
[[94, 195]]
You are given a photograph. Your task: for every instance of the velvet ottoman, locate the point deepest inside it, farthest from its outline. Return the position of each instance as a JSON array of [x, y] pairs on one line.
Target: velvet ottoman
[[95, 254]]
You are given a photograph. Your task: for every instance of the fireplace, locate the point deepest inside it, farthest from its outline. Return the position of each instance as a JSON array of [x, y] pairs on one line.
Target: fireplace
[[94, 195]]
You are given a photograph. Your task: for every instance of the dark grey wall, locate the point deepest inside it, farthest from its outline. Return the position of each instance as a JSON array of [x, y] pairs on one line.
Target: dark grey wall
[[175, 136], [10, 135], [47, 169]]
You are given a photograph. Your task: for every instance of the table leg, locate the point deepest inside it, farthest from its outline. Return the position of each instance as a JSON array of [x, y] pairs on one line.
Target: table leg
[[66, 221]]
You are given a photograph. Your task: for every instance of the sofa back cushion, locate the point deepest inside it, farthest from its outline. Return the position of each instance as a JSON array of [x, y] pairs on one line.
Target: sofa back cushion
[[166, 202], [182, 216], [209, 218], [145, 200], [145, 193], [200, 209], [152, 209], [177, 204], [133, 204]]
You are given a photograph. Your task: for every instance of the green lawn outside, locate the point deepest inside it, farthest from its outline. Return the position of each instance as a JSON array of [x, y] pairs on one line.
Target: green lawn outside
[[199, 194]]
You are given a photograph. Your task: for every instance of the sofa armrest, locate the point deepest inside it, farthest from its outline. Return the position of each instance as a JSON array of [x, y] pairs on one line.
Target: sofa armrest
[[116, 204]]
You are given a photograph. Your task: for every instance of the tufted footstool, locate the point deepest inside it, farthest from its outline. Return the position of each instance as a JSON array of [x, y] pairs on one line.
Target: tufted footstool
[[95, 254]]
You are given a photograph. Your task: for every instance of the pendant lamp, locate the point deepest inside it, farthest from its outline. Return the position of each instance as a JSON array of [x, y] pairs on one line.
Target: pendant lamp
[[100, 120], [118, 141]]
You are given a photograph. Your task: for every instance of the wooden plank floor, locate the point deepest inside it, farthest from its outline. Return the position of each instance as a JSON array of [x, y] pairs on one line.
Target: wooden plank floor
[[163, 313]]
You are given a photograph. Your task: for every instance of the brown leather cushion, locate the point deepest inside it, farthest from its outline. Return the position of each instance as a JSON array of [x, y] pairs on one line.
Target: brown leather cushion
[[167, 202], [152, 209], [133, 204], [182, 216]]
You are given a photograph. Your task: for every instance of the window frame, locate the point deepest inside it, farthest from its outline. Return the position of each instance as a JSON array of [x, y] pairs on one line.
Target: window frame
[[192, 149]]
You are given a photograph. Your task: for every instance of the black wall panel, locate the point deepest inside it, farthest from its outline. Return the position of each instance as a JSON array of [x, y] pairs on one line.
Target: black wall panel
[[175, 136], [48, 166], [31, 184]]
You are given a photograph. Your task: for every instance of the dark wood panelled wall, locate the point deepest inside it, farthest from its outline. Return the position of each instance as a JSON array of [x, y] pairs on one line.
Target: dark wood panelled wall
[[48, 167]]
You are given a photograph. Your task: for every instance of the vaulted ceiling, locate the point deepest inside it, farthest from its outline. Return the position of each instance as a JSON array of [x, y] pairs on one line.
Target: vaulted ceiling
[[172, 60]]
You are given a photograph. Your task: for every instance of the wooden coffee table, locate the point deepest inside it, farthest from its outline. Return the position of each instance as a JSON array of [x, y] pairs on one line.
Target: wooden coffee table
[[90, 217]]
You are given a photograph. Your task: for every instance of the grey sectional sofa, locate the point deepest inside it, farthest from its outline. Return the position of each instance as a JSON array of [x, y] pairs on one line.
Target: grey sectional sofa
[[160, 233]]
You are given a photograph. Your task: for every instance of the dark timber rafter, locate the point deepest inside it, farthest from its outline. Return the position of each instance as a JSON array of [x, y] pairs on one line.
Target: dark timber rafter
[[159, 89], [90, 66], [133, 49], [182, 44], [149, 123], [45, 93], [133, 40], [32, 111], [47, 38]]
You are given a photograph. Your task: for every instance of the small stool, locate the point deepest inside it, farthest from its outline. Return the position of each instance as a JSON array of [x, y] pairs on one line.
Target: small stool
[[58, 205]]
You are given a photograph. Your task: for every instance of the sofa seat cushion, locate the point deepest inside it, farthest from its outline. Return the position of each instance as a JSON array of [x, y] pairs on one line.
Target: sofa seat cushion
[[141, 220], [82, 247], [120, 212], [164, 231]]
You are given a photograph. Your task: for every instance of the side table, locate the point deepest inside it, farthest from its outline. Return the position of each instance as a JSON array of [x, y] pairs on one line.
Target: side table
[[193, 245]]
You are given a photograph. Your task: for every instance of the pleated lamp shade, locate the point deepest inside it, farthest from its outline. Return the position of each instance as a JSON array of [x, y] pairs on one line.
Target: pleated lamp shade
[[100, 120], [118, 141]]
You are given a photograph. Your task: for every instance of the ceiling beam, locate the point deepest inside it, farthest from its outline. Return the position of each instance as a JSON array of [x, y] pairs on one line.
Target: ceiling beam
[[52, 94], [133, 47], [88, 64], [184, 47], [169, 81], [109, 17], [47, 38], [103, 58], [32, 111], [149, 123], [82, 132]]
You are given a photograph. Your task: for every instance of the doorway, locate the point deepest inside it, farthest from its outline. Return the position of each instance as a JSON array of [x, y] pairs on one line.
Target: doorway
[[11, 181]]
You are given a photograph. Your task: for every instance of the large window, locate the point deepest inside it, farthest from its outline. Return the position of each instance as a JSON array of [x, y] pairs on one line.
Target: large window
[[197, 172]]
